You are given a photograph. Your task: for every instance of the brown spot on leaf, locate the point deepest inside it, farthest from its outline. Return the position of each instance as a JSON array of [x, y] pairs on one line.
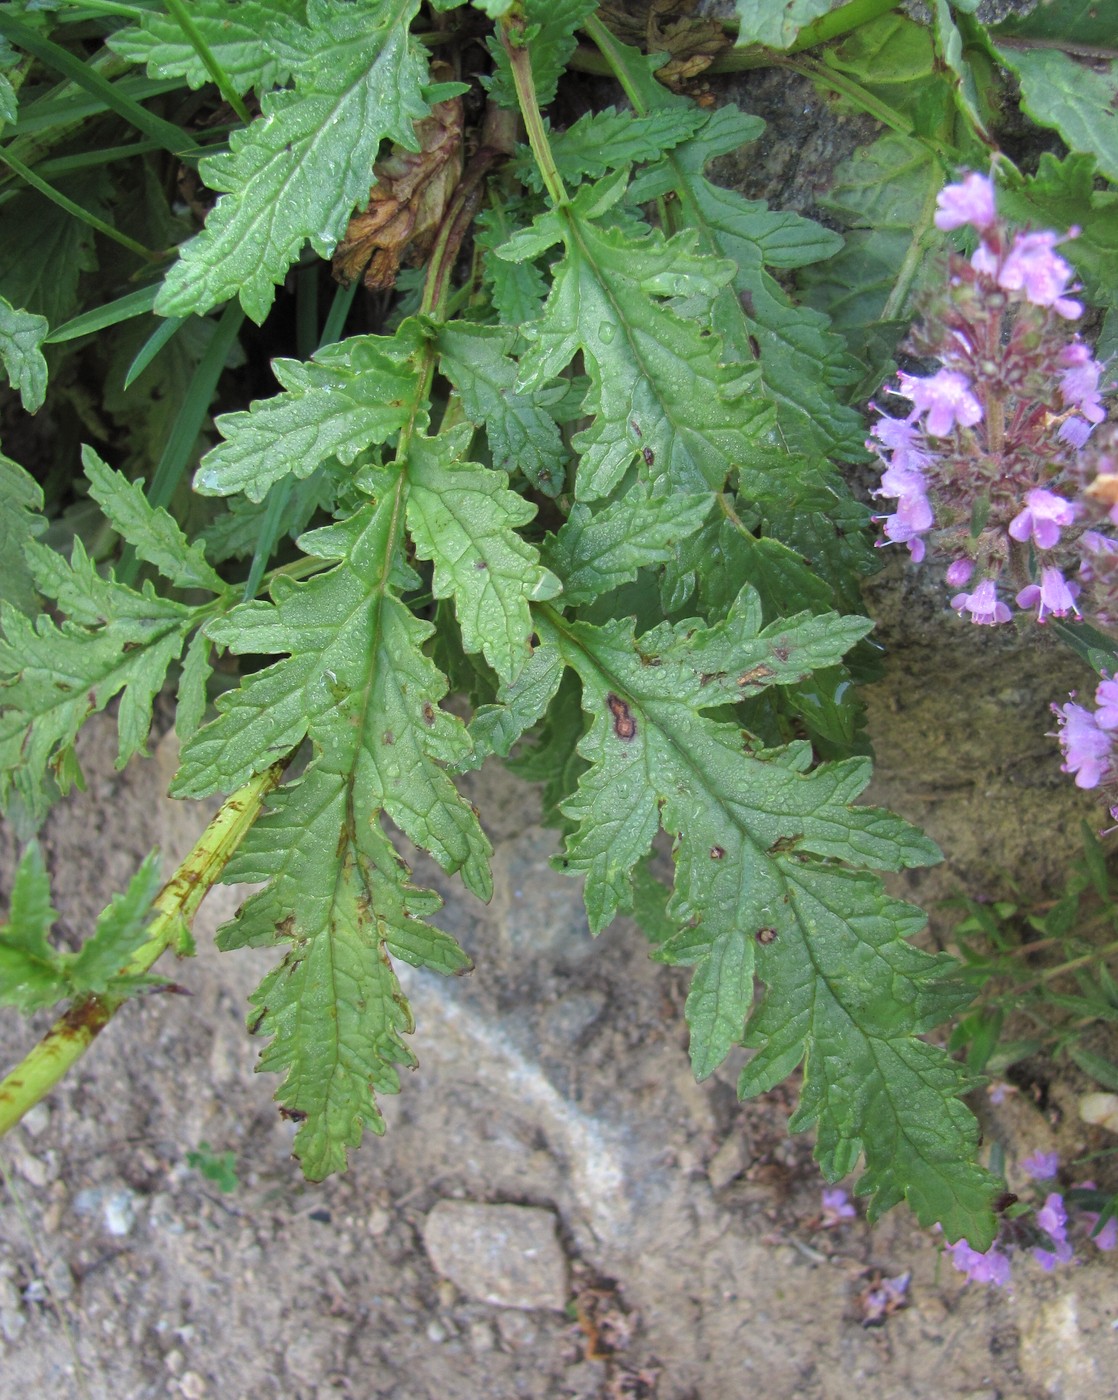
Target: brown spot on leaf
[[624, 725], [648, 455], [765, 936], [755, 675], [428, 713], [716, 853], [389, 738]]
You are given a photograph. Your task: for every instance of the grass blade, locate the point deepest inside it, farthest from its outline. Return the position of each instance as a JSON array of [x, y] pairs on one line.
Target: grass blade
[[167, 135], [123, 309], [151, 347]]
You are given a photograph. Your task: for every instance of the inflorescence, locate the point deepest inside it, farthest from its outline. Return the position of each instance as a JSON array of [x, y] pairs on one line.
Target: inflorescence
[[1005, 465]]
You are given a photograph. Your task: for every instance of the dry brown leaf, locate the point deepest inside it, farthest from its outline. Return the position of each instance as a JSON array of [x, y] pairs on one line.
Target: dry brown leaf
[[407, 203]]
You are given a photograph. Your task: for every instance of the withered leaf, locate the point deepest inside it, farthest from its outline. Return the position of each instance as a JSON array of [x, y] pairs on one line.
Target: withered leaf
[[407, 203]]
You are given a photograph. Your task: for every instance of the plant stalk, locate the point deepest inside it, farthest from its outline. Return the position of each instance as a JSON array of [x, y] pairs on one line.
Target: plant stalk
[[175, 907]]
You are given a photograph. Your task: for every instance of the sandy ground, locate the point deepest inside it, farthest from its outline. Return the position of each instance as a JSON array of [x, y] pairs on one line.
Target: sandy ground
[[680, 1254]]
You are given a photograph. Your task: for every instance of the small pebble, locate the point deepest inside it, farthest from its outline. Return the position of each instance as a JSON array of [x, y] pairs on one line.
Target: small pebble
[[12, 1323], [36, 1120], [33, 1171], [379, 1221], [174, 1361], [436, 1332], [192, 1385], [481, 1337], [120, 1213]]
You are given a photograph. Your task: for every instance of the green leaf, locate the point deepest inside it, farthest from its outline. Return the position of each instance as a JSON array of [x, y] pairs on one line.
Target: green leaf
[[756, 841], [120, 931], [54, 676], [609, 139], [355, 681], [775, 23], [521, 704], [884, 196], [595, 553], [33, 974], [803, 367], [522, 434], [152, 533], [190, 707], [517, 290], [1076, 99], [349, 396], [549, 32], [21, 335], [21, 504], [302, 167], [1065, 21], [28, 974], [950, 48], [803, 364], [333, 1005], [463, 517], [659, 391], [9, 103], [1063, 193], [258, 43], [870, 1086], [44, 250]]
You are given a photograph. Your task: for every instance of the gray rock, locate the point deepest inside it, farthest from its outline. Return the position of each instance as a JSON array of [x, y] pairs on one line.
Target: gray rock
[[508, 1256]]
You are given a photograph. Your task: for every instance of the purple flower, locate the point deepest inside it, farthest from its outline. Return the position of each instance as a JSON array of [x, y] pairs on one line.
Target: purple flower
[[1107, 1238], [972, 202], [1086, 747], [959, 573], [1106, 698], [1041, 1165], [1052, 1218], [836, 1207], [1079, 383], [982, 604], [1074, 431], [1034, 267], [1049, 1258], [991, 1267], [1091, 542], [1044, 514], [889, 1296], [913, 514], [1052, 595], [945, 397], [901, 438]]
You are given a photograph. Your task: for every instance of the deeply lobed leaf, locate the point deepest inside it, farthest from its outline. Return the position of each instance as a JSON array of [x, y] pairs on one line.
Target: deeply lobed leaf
[[299, 171]]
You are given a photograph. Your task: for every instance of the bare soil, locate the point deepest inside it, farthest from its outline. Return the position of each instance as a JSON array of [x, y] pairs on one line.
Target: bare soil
[[555, 1076]]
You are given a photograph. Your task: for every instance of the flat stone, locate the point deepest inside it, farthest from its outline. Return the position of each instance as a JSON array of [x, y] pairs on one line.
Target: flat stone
[[507, 1256]]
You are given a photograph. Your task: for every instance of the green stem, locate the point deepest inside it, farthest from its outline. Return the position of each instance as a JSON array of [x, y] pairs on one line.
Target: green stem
[[181, 16], [73, 1033], [512, 37]]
